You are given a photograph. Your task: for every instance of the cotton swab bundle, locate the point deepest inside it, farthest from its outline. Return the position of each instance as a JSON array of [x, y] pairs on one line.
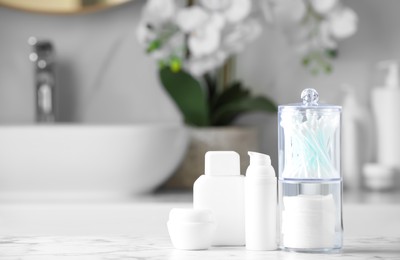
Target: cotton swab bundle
[[310, 143]]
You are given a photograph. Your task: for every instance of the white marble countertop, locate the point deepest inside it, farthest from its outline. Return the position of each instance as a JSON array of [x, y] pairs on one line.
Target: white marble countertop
[[159, 247], [137, 230]]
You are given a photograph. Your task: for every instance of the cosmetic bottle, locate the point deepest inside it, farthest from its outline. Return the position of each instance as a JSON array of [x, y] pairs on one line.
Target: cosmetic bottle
[[385, 101], [310, 180], [221, 189], [260, 203], [357, 138]]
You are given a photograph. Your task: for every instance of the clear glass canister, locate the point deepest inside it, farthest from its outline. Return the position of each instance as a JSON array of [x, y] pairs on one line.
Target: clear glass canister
[[310, 182]]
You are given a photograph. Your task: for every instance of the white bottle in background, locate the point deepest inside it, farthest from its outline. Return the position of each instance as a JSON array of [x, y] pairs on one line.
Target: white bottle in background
[[385, 101], [356, 138], [221, 189], [260, 203], [386, 108]]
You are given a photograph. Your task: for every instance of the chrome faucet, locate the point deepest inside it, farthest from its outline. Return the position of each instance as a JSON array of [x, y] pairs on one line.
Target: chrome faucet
[[42, 56]]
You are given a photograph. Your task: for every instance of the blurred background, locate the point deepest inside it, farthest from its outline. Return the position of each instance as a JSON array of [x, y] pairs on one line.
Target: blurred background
[[86, 111]]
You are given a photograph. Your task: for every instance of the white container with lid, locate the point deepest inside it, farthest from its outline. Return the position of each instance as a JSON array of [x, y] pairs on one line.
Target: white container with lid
[[310, 180], [191, 229], [221, 189], [379, 177]]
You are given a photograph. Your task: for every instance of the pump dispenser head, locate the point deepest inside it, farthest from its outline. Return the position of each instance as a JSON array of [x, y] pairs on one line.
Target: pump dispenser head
[[259, 159], [392, 76], [260, 166]]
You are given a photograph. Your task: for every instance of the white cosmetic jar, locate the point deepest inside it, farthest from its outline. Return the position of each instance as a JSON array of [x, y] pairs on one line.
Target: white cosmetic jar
[[191, 229]]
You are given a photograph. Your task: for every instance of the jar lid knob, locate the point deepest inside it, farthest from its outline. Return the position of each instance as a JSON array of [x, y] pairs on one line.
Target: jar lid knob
[[310, 97]]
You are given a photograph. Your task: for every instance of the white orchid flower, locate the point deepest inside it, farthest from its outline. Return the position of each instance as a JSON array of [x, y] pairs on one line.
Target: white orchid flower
[[233, 10], [323, 6], [157, 12], [144, 35], [289, 11], [172, 46], [237, 10], [202, 65], [215, 5], [190, 18], [322, 41], [343, 22], [203, 29], [217, 21], [204, 41], [325, 36], [235, 40]]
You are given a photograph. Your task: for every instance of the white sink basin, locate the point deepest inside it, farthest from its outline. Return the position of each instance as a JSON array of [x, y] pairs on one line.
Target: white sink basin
[[87, 161]]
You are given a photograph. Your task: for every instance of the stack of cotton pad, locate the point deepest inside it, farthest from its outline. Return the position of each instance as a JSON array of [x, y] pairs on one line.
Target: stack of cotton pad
[[308, 221]]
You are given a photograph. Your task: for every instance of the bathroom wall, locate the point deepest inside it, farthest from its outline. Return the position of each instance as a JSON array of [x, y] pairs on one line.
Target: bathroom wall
[[104, 76]]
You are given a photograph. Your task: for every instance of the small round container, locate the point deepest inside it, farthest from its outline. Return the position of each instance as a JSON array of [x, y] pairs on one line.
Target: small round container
[[379, 177], [191, 229]]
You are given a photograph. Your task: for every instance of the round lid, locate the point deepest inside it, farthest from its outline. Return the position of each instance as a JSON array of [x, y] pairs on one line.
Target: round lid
[[188, 215], [310, 98]]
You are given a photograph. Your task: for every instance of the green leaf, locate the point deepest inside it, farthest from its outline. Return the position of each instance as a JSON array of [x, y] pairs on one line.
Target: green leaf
[[228, 112], [328, 68], [230, 94], [188, 95], [211, 84], [306, 61], [154, 45], [332, 53]]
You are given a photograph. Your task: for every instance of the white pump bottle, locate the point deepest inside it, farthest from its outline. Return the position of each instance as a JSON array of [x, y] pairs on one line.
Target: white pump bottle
[[385, 101], [260, 203], [357, 135], [386, 108]]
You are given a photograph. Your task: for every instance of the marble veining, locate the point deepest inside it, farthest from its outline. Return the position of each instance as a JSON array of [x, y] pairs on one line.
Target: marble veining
[[153, 248]]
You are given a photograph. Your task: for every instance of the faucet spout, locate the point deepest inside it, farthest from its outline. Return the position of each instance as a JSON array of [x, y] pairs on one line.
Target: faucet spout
[[42, 56]]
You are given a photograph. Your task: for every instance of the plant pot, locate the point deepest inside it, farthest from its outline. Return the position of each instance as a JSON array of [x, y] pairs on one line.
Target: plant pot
[[232, 138]]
